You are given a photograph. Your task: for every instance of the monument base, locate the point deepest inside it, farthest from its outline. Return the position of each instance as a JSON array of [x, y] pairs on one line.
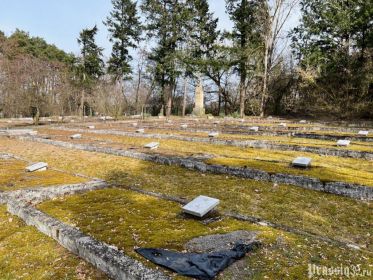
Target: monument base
[[199, 112]]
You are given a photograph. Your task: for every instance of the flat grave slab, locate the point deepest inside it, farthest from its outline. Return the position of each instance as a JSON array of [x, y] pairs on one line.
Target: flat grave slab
[[282, 125], [302, 162], [91, 127], [152, 145], [213, 134], [343, 143], [363, 133], [76, 136], [40, 166], [254, 128], [303, 121], [201, 205], [184, 126], [141, 130]]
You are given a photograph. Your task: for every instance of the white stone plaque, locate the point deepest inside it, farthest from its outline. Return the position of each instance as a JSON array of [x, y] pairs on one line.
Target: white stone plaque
[[282, 124], [254, 128], [302, 162], [40, 166], [152, 145], [303, 121], [141, 130], [344, 143], [201, 205], [213, 134], [363, 133], [91, 127], [184, 126], [76, 136]]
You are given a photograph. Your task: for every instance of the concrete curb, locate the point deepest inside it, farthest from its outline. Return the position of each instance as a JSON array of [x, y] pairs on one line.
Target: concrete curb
[[340, 188], [107, 258]]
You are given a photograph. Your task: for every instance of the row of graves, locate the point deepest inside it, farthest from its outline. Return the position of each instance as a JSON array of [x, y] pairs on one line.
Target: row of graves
[[196, 198]]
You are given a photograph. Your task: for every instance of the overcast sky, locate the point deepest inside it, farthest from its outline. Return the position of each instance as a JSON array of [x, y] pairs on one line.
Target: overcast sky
[[59, 22]]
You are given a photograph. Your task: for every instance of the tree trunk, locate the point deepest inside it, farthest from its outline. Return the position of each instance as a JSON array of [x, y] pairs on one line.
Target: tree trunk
[[265, 79], [138, 91], [82, 100], [185, 96], [242, 95], [37, 116], [168, 99]]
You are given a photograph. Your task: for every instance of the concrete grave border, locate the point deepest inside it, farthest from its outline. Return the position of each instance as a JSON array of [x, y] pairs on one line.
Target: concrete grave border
[[355, 191]]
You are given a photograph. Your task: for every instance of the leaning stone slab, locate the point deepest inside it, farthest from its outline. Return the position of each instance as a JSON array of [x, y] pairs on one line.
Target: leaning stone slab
[[363, 132], [302, 162], [40, 166], [152, 145], [107, 258], [76, 136], [213, 134], [343, 143], [201, 205]]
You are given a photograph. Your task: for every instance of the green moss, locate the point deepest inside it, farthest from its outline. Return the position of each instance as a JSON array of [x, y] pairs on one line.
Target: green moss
[[331, 168], [13, 176], [27, 254], [130, 220], [325, 214]]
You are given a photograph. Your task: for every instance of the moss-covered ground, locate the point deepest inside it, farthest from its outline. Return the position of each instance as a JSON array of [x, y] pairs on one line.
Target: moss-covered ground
[[14, 177], [326, 168], [321, 213], [130, 220], [27, 254]]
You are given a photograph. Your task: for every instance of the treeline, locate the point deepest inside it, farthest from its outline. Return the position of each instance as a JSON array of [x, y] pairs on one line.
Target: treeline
[[156, 63]]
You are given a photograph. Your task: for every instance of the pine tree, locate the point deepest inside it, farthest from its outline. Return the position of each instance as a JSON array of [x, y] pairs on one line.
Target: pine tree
[[125, 30], [167, 20], [91, 65], [245, 34]]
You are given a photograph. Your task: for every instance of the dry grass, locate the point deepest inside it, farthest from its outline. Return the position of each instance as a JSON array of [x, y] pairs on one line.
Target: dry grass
[[27, 254]]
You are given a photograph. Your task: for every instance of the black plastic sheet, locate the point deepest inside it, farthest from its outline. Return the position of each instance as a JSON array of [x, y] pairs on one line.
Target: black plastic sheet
[[203, 266]]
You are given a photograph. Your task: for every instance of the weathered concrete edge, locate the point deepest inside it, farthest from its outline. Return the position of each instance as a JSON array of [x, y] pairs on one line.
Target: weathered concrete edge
[[256, 144], [339, 188], [103, 256], [254, 220]]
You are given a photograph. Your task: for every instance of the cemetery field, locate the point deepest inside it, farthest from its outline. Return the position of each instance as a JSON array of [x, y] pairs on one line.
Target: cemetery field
[[327, 168], [319, 215]]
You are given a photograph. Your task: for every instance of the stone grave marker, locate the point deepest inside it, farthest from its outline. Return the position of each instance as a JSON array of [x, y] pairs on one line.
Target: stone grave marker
[[184, 126], [302, 162], [254, 128], [363, 133], [91, 127], [76, 136], [141, 130], [201, 205], [282, 125], [303, 121], [213, 134], [152, 145], [40, 166], [343, 143]]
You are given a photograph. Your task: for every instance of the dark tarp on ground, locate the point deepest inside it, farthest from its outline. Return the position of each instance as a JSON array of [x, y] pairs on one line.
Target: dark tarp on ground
[[200, 266]]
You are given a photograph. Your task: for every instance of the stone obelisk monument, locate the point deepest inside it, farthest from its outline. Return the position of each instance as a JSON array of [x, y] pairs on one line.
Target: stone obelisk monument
[[199, 105]]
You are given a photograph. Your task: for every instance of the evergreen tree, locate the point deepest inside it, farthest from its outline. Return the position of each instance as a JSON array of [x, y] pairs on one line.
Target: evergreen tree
[[245, 35], [167, 21], [125, 31], [91, 65], [334, 41]]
